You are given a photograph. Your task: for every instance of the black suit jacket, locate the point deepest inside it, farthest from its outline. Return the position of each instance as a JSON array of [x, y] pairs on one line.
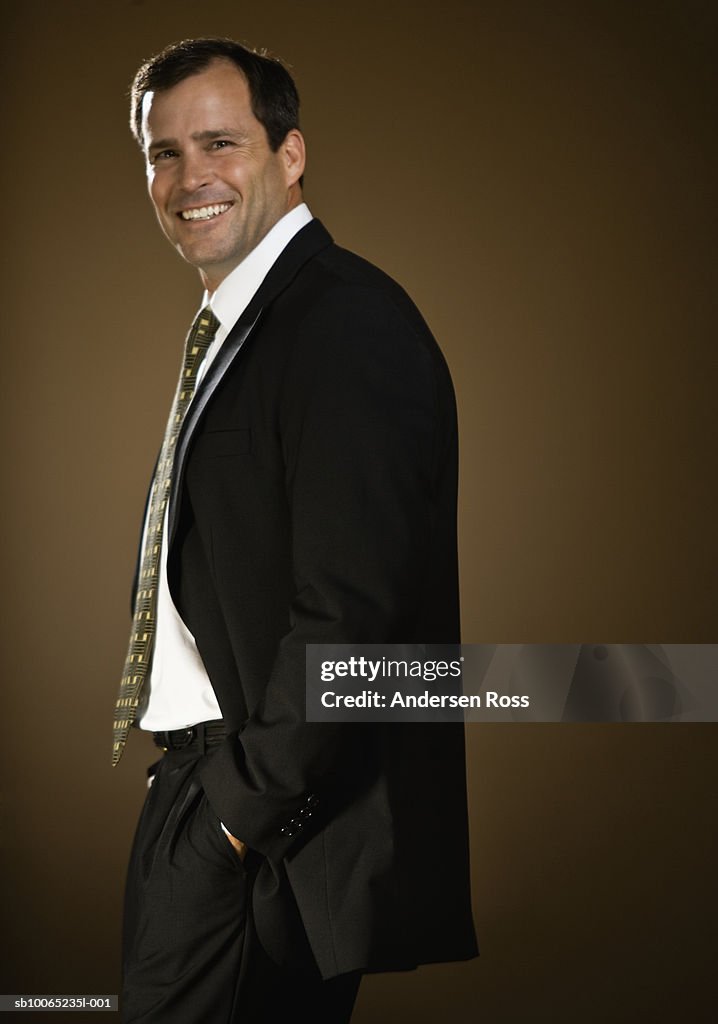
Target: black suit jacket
[[314, 501]]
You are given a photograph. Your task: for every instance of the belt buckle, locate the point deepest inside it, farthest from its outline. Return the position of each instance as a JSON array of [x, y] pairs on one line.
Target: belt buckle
[[189, 737], [167, 739]]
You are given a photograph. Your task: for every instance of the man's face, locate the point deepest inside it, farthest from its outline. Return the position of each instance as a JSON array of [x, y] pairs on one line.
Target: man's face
[[216, 186]]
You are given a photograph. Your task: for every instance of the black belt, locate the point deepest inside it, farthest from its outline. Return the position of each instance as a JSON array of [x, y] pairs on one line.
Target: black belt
[[199, 737]]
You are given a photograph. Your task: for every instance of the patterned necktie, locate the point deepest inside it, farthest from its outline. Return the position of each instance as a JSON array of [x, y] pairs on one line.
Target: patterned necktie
[[144, 623]]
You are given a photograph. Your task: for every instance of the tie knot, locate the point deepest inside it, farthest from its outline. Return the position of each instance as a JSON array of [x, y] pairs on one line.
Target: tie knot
[[205, 326], [199, 339]]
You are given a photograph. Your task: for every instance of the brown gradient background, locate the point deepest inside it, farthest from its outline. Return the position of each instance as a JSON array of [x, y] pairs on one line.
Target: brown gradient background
[[539, 177]]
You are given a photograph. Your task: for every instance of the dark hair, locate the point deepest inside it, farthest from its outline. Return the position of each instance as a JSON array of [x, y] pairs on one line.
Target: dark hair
[[274, 96]]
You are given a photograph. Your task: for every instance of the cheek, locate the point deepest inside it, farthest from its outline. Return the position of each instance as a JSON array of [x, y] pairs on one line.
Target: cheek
[[157, 190]]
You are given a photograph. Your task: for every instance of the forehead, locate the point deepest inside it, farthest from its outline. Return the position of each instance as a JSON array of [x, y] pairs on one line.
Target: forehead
[[214, 97]]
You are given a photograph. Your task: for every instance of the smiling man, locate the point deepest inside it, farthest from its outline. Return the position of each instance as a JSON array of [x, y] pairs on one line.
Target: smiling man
[[217, 190], [305, 492]]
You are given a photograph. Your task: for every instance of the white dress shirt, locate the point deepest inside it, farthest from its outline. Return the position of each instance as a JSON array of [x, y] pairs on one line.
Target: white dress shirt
[[180, 693]]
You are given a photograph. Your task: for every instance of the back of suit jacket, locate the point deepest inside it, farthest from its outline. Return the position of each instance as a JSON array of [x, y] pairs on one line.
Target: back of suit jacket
[[315, 502]]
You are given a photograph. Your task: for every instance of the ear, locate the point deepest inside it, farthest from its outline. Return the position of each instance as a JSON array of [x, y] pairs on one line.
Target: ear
[[293, 155]]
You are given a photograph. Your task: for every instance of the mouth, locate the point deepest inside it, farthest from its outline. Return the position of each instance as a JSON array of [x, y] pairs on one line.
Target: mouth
[[204, 212]]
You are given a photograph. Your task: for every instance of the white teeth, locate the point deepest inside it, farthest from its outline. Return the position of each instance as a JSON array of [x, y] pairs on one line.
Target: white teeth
[[205, 212]]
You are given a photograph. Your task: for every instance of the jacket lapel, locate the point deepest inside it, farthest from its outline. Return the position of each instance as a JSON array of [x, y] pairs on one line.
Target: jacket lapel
[[306, 243]]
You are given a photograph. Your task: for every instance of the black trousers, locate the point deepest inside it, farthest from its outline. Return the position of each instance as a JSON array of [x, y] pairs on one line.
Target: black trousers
[[190, 954]]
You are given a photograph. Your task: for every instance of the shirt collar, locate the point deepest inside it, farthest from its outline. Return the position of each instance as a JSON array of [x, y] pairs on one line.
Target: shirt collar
[[234, 294]]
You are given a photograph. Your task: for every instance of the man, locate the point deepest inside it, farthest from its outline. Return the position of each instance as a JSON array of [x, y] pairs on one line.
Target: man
[[305, 493]]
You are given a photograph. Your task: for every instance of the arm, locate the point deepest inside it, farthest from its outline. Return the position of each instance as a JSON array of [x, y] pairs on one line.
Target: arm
[[367, 424]]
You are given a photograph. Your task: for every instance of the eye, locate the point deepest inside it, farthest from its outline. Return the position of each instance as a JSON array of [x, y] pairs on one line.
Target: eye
[[164, 154], [220, 143]]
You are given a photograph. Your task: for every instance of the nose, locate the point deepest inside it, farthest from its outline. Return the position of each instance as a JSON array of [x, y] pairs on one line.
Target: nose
[[194, 171]]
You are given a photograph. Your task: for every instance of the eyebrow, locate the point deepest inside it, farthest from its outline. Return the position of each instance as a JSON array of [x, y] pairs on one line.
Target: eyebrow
[[205, 136]]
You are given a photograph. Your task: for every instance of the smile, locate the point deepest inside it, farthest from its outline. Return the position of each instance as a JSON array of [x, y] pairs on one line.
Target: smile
[[204, 212]]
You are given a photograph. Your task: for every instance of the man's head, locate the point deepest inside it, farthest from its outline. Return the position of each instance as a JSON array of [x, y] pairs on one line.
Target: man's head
[[219, 128]]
